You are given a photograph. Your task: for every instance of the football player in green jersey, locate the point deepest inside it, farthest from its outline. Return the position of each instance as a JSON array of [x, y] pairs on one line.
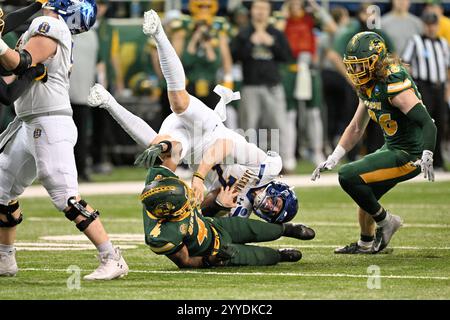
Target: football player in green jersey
[[174, 226], [387, 95]]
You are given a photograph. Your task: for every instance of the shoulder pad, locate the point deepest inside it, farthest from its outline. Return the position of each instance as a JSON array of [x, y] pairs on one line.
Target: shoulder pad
[[397, 80]]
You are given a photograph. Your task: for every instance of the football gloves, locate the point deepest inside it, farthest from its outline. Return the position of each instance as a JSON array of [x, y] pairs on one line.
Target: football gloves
[[148, 158], [152, 23], [40, 72], [330, 163], [99, 97], [426, 165]]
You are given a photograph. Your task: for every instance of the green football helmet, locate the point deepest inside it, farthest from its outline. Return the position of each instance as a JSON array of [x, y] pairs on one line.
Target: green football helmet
[[363, 52], [168, 198]]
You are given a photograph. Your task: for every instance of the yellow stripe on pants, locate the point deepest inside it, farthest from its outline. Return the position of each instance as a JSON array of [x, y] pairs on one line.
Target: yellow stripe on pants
[[387, 174]]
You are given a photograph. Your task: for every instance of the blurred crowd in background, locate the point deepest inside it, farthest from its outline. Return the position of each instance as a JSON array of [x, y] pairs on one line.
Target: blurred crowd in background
[[284, 56]]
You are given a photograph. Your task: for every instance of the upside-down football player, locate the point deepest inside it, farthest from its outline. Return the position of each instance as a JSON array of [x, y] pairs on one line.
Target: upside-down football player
[[389, 96], [252, 171]]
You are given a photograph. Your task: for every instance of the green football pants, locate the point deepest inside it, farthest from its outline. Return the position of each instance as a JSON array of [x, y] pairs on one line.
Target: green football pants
[[236, 232], [369, 178]]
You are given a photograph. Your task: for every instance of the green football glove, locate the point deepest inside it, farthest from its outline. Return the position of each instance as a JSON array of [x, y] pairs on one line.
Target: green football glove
[[148, 158]]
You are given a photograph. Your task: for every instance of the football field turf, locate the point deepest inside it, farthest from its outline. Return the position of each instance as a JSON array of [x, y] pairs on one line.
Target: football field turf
[[52, 251]]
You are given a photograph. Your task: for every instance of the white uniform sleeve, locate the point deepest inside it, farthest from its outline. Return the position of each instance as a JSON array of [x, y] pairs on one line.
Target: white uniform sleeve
[[50, 27]]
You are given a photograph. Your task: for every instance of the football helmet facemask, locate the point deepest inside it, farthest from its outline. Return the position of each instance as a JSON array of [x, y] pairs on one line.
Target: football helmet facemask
[[276, 203]]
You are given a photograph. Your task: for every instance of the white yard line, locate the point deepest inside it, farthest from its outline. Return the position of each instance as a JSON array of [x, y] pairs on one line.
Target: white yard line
[[252, 274], [135, 187]]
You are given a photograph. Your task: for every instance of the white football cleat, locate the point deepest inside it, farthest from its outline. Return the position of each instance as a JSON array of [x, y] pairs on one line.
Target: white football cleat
[[152, 23], [99, 97], [8, 265], [110, 267]]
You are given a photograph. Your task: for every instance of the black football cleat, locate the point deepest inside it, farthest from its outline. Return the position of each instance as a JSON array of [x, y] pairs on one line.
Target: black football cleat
[[289, 255], [298, 231]]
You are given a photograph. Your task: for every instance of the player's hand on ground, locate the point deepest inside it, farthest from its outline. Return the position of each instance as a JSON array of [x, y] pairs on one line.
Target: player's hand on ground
[[98, 97], [328, 164], [152, 23], [426, 165], [148, 158], [198, 187], [227, 197], [225, 254]]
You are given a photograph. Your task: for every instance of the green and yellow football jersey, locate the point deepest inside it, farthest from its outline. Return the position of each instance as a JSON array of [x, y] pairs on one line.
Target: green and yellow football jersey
[[399, 131]]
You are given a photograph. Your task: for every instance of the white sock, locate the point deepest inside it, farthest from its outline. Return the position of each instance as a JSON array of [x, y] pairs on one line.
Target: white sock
[[107, 248], [364, 243], [171, 66], [136, 128], [6, 248]]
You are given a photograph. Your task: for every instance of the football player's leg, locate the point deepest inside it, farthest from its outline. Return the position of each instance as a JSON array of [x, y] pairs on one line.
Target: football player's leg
[[171, 66], [57, 172], [249, 255], [368, 179], [244, 230], [17, 171]]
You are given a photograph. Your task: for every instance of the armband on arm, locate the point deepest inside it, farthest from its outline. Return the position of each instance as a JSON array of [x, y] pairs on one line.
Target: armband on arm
[[25, 62]]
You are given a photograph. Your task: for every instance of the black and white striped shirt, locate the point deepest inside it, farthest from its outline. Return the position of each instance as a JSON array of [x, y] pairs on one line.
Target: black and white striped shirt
[[429, 58]]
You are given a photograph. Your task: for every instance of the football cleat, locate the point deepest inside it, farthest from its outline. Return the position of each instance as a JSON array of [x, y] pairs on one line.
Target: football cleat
[[8, 265], [384, 234], [354, 248], [289, 255], [152, 23], [298, 231], [99, 97], [110, 267]]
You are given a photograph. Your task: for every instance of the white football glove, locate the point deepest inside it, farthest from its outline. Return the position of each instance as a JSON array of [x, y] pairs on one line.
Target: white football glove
[[330, 163], [99, 97], [152, 23], [426, 165]]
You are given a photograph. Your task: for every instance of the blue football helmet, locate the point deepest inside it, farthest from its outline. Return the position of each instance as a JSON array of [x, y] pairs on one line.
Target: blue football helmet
[[79, 15], [277, 203]]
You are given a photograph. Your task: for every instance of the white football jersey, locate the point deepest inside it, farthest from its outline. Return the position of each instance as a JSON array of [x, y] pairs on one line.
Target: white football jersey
[[54, 94], [244, 178]]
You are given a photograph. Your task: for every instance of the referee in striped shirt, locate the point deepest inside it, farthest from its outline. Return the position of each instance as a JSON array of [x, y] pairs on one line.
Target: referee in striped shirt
[[429, 58]]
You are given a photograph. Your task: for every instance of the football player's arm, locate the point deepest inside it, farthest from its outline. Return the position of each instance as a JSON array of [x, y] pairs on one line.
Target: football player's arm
[[20, 16], [10, 92], [349, 139], [412, 107], [223, 199], [212, 156], [356, 128], [38, 49], [182, 259]]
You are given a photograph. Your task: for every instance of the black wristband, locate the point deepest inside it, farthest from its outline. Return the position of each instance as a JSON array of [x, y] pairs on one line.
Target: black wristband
[[168, 144]]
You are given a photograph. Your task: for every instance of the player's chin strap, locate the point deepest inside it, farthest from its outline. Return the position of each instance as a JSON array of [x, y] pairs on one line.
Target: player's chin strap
[[77, 208], [226, 96]]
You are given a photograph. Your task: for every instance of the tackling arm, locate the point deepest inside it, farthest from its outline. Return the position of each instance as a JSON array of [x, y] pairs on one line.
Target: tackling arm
[[18, 17], [38, 49]]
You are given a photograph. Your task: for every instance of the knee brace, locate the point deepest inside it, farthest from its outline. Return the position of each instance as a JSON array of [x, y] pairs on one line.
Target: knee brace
[[8, 211], [77, 208]]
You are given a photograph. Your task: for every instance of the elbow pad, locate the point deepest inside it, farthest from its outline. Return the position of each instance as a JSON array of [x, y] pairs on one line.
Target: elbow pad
[[25, 62]]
